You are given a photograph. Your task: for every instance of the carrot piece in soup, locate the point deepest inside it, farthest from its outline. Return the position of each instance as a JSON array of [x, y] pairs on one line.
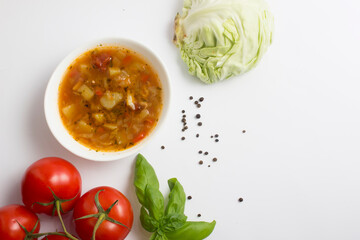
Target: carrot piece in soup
[[149, 121], [126, 60], [98, 91], [100, 130], [145, 77], [74, 74], [139, 137]]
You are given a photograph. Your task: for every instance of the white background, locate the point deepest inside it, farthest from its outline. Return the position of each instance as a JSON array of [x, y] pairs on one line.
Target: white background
[[297, 166]]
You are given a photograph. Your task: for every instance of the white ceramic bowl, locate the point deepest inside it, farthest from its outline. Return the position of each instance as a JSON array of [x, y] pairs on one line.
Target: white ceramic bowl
[[51, 107]]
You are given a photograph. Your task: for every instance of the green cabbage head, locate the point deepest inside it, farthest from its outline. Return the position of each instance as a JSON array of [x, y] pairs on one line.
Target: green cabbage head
[[222, 38]]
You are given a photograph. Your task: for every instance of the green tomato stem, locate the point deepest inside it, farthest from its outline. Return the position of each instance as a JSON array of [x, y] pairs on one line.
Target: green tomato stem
[[37, 235], [68, 235], [97, 224]]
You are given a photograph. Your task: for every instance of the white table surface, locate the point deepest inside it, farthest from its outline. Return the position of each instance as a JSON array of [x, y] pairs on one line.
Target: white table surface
[[297, 167]]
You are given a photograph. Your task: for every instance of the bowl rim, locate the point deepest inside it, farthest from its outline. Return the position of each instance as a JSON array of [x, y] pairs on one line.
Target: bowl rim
[[52, 113]]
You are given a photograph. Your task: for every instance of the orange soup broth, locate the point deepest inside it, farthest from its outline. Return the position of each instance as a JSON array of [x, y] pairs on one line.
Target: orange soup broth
[[110, 98]]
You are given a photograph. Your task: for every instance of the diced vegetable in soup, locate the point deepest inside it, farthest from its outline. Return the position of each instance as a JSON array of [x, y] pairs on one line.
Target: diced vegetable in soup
[[110, 99]]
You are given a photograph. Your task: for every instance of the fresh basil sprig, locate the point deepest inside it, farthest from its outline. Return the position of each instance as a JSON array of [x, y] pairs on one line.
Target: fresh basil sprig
[[166, 223], [192, 231]]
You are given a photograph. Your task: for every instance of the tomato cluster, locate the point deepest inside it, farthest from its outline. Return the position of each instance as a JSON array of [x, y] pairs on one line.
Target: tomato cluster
[[53, 186]]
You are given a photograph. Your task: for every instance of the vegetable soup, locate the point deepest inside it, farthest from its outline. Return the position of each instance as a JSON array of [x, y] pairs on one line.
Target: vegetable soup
[[110, 98]]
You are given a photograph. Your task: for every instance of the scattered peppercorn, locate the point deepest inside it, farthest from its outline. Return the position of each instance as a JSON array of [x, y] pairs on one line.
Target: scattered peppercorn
[[200, 152], [214, 159], [241, 199], [189, 197], [199, 124], [216, 140], [216, 135], [206, 153], [243, 131], [183, 111], [191, 97], [212, 136], [183, 120], [162, 147], [197, 135], [208, 165], [201, 99], [201, 162], [199, 215], [198, 116], [184, 116], [183, 138], [199, 105], [196, 102]]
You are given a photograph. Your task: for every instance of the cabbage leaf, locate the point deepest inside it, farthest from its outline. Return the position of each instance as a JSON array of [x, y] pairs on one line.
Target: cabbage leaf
[[222, 38]]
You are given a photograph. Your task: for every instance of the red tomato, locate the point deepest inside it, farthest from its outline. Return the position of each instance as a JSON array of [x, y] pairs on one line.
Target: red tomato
[[55, 237], [121, 212], [51, 173], [10, 216]]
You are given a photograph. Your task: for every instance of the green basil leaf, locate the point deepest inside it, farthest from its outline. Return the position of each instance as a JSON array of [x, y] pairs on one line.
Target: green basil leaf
[[148, 222], [154, 202], [173, 222], [144, 175], [154, 236], [177, 197], [162, 237], [158, 236], [192, 231]]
